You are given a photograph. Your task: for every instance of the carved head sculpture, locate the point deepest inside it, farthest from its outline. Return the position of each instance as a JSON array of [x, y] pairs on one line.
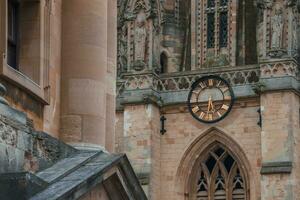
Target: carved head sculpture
[[278, 11], [141, 18]]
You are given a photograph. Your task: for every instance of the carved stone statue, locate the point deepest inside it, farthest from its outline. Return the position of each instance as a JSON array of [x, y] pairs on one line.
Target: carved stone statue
[[265, 4], [140, 37], [295, 36], [277, 29], [122, 50]]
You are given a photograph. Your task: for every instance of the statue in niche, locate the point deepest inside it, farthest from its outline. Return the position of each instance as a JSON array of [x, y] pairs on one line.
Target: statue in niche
[[140, 36], [122, 50], [295, 36], [277, 29], [265, 4]]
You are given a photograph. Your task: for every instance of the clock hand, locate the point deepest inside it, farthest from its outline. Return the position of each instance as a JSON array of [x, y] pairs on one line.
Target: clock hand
[[209, 104], [212, 105]]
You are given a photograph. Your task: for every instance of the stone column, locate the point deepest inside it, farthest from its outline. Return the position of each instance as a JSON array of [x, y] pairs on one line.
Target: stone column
[[111, 74], [84, 70]]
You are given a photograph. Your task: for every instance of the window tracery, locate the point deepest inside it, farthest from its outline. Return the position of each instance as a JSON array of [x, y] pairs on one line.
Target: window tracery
[[220, 177], [215, 29]]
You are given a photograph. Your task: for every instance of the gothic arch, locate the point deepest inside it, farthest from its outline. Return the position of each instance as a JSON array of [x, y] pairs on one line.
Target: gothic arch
[[187, 171]]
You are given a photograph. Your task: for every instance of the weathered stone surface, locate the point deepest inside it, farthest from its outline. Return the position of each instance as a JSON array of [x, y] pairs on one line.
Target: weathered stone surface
[[65, 166], [20, 186]]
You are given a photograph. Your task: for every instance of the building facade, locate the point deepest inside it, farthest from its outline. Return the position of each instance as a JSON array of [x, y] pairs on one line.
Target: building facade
[[57, 102], [49, 58], [164, 46]]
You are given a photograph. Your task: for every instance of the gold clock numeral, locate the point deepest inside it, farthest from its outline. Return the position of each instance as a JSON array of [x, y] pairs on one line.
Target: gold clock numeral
[[202, 115], [219, 83], [225, 107], [210, 117], [196, 109], [210, 82], [224, 90], [227, 98], [202, 85], [219, 114]]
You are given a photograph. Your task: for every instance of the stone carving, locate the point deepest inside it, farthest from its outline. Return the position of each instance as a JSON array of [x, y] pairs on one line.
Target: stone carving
[[277, 29], [290, 2], [295, 37], [140, 36], [277, 69], [137, 31], [122, 50], [7, 134], [183, 82], [265, 4]]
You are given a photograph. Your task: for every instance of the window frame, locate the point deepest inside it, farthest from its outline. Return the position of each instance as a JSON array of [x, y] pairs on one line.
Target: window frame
[[41, 90], [210, 175], [204, 55]]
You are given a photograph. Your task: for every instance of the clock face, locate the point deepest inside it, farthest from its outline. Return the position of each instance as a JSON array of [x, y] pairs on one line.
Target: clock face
[[210, 99]]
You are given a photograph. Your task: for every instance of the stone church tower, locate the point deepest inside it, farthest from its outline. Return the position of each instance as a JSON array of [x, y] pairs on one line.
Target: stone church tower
[[164, 47]]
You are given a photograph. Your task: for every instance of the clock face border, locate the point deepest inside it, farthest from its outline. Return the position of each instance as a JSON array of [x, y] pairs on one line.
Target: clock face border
[[196, 83]]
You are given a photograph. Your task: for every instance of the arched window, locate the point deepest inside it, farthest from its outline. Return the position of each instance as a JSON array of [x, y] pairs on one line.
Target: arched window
[[163, 63], [220, 177], [223, 33], [212, 27]]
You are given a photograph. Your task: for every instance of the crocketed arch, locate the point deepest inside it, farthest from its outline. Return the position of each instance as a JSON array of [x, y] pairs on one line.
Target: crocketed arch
[[226, 161]]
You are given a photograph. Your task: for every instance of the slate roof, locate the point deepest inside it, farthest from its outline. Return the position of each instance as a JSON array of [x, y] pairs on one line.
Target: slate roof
[[72, 177]]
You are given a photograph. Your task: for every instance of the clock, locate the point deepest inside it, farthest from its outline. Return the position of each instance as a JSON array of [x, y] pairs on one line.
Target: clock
[[210, 99]]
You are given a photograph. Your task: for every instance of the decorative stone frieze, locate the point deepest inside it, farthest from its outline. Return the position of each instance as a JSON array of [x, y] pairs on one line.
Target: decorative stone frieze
[[279, 69], [178, 82]]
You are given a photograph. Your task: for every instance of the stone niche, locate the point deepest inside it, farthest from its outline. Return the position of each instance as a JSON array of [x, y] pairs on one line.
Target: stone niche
[[137, 36]]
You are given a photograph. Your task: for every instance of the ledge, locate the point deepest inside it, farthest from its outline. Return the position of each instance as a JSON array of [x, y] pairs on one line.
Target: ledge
[[20, 80], [284, 167]]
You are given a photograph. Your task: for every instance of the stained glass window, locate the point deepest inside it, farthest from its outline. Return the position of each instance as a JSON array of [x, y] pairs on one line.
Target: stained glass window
[[220, 177], [211, 3], [223, 32], [210, 30], [223, 2], [217, 12]]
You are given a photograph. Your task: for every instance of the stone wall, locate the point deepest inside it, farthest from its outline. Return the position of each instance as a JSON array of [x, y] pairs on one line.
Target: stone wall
[[22, 148], [280, 136], [182, 130]]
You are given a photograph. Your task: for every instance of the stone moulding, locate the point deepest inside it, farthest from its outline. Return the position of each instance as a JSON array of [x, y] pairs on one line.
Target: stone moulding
[[183, 81], [279, 69], [276, 167]]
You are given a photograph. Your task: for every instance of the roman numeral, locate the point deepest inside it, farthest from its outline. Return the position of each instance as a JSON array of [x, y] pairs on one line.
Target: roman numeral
[[210, 82], [195, 109], [210, 117], [202, 115], [224, 90], [202, 85], [225, 107]]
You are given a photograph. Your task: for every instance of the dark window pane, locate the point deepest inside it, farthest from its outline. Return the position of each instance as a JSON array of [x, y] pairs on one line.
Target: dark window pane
[[219, 151], [202, 184], [223, 2], [228, 162], [223, 29], [12, 55], [163, 63], [211, 3], [210, 163], [210, 30], [12, 33]]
